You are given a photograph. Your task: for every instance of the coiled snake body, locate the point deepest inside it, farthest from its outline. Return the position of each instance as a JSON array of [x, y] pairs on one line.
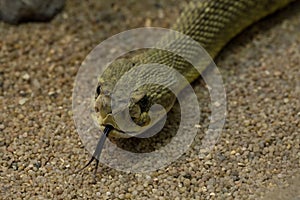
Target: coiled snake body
[[212, 23]]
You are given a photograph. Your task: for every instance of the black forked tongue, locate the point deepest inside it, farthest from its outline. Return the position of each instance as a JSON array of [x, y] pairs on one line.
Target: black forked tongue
[[99, 147]]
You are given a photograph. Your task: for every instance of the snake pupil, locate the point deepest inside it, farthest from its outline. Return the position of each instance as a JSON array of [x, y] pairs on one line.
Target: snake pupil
[[98, 90]]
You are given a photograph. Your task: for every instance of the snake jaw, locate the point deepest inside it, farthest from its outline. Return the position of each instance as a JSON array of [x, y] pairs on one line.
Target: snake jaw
[[116, 131], [109, 120]]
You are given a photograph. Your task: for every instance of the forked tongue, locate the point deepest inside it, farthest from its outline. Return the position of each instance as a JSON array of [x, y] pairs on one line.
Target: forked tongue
[[98, 150]]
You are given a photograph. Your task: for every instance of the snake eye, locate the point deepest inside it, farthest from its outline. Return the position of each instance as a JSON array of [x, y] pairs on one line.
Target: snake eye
[[144, 103], [98, 90]]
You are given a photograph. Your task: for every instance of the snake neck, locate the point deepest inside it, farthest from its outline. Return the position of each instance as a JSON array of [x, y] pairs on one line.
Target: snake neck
[[212, 24]]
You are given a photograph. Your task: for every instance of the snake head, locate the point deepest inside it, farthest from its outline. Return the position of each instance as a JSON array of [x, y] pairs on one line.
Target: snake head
[[138, 105], [140, 109]]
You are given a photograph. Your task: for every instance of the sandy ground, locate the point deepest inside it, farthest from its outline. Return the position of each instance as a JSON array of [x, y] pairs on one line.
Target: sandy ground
[[257, 153]]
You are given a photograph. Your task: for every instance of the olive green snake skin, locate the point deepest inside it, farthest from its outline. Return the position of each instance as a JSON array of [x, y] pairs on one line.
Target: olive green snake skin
[[212, 23]]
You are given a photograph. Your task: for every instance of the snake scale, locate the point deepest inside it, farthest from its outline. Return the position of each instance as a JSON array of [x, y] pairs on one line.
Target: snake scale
[[212, 23]]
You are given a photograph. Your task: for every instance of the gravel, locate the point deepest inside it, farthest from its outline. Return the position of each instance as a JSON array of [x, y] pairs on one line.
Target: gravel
[[257, 154]]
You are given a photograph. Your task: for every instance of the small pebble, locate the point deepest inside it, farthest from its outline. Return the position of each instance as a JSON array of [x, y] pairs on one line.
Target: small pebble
[[23, 101]]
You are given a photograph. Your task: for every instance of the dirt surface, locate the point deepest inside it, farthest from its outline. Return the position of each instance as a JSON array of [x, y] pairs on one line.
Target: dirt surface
[[257, 152]]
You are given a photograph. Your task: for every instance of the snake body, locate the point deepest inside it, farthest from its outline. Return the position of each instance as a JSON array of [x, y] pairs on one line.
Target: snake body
[[212, 23]]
